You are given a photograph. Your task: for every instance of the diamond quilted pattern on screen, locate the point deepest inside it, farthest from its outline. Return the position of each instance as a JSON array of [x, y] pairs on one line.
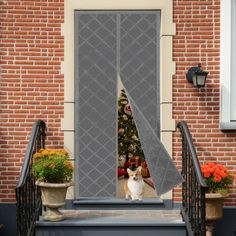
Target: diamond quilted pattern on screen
[[96, 98], [113, 44], [139, 63]]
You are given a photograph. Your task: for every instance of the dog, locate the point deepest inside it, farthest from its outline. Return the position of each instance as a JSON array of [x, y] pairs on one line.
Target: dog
[[134, 186]]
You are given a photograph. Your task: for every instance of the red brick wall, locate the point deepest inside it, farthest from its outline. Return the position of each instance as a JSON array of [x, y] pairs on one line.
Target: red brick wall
[[32, 87], [198, 40]]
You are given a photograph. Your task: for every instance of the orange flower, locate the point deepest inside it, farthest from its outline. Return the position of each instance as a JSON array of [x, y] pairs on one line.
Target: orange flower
[[216, 172], [221, 167], [211, 169], [217, 178], [211, 164], [206, 174], [223, 174]]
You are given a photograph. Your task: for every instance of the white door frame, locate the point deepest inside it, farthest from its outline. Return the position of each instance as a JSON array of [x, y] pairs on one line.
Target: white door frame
[[167, 65]]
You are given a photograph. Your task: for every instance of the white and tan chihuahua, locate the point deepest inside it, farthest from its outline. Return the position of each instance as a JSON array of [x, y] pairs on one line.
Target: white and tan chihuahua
[[134, 186]]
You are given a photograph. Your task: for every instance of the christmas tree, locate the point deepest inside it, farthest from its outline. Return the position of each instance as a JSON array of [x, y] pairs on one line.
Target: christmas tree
[[128, 140]]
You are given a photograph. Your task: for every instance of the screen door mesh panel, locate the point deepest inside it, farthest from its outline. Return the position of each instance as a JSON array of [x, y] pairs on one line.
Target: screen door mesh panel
[[139, 63], [96, 102]]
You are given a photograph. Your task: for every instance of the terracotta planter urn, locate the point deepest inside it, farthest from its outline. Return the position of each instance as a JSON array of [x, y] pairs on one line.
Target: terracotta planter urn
[[53, 197], [214, 210]]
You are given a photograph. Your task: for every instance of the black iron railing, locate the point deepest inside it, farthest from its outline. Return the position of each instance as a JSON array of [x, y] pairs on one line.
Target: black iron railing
[[28, 197], [193, 187]]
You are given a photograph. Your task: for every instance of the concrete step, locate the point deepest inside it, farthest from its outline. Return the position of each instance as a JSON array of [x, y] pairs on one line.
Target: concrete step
[[115, 223]]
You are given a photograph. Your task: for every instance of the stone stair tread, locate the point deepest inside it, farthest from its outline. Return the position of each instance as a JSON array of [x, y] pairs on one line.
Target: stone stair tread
[[118, 218]]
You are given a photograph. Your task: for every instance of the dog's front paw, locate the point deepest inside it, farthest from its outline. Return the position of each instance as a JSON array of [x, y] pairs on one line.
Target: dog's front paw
[[133, 198]]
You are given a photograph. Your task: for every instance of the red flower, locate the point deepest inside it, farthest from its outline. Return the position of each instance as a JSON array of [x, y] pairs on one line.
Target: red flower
[[211, 164], [206, 174], [216, 177], [223, 174]]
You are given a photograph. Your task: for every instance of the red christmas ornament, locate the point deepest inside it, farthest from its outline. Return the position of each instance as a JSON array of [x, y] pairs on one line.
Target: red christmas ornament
[[128, 109], [120, 172]]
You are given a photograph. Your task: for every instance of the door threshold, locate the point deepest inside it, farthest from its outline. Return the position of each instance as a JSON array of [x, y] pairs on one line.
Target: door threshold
[[111, 203]]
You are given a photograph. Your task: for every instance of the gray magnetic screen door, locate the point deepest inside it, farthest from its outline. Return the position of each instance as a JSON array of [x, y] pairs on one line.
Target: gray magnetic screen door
[[111, 45]]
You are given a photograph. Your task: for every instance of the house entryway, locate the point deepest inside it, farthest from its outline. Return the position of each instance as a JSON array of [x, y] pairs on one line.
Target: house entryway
[[110, 45]]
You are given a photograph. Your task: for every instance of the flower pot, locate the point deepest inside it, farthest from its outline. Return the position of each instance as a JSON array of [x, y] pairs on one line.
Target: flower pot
[[214, 210], [53, 197]]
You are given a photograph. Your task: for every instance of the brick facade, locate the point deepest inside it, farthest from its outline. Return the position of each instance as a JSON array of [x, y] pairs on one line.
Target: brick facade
[[32, 49], [198, 40], [32, 86]]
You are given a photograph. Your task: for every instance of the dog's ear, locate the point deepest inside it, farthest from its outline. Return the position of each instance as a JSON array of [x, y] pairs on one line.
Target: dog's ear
[[129, 170]]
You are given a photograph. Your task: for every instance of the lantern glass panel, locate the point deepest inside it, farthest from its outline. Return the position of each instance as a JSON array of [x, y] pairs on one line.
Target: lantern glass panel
[[201, 80], [195, 80]]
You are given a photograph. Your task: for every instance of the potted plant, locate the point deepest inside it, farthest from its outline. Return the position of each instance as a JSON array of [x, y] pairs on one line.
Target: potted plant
[[53, 171], [218, 180]]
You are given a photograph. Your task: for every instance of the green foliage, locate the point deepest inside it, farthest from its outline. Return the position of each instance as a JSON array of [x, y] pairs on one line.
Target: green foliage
[[52, 166], [128, 139], [133, 168], [218, 187]]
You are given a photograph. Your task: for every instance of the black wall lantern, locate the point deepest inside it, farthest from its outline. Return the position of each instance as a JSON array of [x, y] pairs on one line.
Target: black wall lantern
[[197, 76]]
